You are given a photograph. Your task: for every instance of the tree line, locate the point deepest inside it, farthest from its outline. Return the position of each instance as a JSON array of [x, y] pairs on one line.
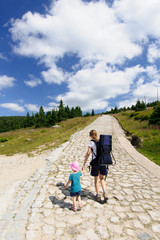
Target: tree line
[[41, 118], [141, 106]]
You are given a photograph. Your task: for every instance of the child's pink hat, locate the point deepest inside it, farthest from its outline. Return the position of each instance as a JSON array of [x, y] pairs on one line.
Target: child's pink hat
[[74, 166]]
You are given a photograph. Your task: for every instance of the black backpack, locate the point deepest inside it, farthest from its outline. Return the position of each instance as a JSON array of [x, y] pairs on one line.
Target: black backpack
[[104, 151]]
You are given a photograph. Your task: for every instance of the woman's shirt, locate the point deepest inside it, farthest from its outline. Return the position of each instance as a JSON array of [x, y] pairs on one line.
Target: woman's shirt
[[92, 145]]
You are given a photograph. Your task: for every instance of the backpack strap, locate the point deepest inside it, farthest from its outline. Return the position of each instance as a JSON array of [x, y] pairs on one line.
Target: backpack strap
[[113, 158]]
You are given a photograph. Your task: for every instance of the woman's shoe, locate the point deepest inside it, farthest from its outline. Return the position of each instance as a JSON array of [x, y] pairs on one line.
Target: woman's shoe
[[98, 197], [105, 197]]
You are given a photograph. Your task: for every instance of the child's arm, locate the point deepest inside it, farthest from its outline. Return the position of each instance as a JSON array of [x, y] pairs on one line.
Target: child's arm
[[67, 184]]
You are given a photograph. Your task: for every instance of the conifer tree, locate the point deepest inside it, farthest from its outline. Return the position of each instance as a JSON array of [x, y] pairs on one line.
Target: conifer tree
[[61, 112]]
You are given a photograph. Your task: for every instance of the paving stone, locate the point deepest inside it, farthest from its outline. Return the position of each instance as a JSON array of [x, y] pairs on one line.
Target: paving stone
[[91, 234], [138, 209], [102, 232], [154, 215], [48, 230], [114, 219], [130, 232], [74, 220], [144, 218], [144, 236], [115, 228], [13, 236], [138, 224], [156, 228]]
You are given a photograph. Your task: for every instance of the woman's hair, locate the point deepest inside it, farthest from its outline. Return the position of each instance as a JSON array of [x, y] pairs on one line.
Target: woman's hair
[[94, 135]]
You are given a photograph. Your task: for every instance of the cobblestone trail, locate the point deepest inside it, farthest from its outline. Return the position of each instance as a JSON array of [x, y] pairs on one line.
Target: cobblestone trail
[[40, 206]]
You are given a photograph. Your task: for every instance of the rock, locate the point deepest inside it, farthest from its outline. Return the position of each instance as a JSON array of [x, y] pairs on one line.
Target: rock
[[154, 215], [144, 236], [74, 220], [114, 219], [136, 141], [156, 228], [48, 229]]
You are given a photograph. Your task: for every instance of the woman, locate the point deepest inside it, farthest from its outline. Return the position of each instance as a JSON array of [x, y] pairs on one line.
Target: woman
[[97, 171]]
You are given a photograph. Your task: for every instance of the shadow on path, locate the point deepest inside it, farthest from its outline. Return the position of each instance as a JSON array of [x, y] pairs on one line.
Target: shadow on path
[[85, 194]]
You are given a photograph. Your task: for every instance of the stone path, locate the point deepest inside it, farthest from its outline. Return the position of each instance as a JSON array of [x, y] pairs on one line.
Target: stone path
[[40, 206]]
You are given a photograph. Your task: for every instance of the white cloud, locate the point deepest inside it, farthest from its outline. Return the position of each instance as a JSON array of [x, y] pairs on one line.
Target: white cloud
[[92, 88], [142, 18], [54, 75], [153, 52], [53, 104], [12, 106], [2, 56], [127, 103], [6, 81], [90, 30], [33, 82], [32, 107], [153, 73]]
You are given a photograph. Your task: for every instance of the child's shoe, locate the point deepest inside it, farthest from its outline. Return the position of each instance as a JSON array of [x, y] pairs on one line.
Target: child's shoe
[[80, 205], [73, 209]]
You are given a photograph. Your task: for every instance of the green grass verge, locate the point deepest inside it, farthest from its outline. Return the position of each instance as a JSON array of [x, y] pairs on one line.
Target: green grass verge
[[32, 141], [137, 124]]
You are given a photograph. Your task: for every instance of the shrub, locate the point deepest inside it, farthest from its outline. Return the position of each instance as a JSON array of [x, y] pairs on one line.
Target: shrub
[[155, 116], [3, 139]]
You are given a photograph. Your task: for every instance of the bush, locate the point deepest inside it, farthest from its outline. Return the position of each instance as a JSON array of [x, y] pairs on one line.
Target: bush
[[155, 116], [3, 139]]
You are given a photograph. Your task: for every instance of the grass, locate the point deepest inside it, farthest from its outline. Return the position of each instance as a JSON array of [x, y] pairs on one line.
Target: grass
[[137, 123], [32, 141]]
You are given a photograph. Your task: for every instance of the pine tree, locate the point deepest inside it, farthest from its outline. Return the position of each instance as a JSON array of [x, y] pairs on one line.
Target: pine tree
[[28, 122], [92, 113], [61, 112]]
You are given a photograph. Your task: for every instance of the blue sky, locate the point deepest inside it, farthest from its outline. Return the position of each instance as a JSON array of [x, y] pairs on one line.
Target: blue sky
[[92, 54]]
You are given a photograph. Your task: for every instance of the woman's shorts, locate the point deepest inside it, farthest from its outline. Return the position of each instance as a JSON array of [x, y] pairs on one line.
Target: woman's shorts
[[74, 194], [95, 169]]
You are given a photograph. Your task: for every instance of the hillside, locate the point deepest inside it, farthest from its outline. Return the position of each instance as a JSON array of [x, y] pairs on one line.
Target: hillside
[[35, 140], [137, 124]]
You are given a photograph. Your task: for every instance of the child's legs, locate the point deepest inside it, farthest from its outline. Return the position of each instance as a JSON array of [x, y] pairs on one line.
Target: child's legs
[[96, 183], [79, 199], [74, 202], [102, 182]]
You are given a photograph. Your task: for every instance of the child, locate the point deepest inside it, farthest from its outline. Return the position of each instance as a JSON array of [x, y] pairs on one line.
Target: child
[[74, 179]]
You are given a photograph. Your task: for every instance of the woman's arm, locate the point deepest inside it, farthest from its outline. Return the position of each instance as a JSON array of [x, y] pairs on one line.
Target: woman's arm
[[86, 157]]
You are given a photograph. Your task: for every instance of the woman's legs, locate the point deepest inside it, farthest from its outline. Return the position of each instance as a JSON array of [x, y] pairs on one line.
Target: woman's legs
[[102, 182], [96, 183], [103, 187]]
